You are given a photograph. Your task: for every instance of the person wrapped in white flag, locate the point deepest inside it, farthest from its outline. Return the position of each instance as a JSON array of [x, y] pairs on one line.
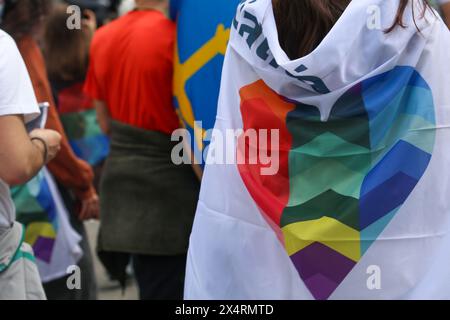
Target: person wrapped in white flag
[[340, 184]]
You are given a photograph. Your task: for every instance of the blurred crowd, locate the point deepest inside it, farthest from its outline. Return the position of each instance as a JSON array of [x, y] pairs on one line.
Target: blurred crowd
[[105, 152], [105, 87]]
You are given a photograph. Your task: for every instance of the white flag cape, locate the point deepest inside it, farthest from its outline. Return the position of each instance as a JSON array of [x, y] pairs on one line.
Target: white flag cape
[[66, 249], [360, 205], [48, 230]]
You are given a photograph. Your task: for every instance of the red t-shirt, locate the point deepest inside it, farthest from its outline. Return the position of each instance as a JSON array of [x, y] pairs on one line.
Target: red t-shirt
[[131, 70]]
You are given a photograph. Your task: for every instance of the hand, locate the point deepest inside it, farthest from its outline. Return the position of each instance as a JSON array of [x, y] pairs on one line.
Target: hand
[[90, 208], [51, 138]]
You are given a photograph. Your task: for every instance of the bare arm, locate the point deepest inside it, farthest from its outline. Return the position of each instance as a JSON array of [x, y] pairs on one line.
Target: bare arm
[[20, 157], [446, 12], [103, 116]]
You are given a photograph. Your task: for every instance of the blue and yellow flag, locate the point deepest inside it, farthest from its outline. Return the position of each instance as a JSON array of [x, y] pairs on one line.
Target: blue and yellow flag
[[202, 38]]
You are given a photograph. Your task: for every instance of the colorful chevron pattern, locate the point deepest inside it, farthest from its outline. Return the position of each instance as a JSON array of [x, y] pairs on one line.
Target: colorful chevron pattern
[[341, 181], [36, 209]]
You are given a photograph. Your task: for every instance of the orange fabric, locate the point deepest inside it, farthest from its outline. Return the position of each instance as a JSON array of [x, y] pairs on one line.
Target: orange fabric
[[70, 171], [131, 70]]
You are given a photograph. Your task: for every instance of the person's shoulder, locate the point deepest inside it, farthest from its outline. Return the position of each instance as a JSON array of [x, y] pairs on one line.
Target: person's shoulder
[[6, 41], [165, 23], [101, 33], [9, 51], [155, 22], [108, 30]]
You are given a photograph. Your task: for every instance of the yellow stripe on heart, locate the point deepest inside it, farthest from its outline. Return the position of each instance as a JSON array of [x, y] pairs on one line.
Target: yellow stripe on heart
[[327, 231], [39, 229]]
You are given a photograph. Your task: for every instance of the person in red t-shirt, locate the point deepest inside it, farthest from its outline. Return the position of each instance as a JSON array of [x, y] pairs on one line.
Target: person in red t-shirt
[[131, 71], [147, 202]]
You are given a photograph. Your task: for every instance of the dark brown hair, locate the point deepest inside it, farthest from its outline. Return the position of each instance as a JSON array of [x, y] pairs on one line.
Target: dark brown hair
[[303, 24], [66, 51], [24, 17]]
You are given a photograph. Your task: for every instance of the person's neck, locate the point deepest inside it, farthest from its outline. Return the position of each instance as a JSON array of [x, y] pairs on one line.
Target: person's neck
[[150, 5]]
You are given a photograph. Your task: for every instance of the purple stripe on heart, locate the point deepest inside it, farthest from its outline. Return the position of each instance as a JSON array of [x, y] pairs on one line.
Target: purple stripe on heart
[[43, 249], [322, 269]]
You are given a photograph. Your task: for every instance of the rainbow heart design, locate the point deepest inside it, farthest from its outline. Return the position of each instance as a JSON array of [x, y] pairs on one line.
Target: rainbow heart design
[[341, 181], [36, 210]]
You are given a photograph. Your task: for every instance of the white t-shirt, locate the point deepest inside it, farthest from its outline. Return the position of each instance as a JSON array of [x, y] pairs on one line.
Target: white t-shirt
[[16, 98]]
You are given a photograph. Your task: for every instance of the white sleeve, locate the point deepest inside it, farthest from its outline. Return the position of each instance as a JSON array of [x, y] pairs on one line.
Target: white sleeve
[[16, 91]]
